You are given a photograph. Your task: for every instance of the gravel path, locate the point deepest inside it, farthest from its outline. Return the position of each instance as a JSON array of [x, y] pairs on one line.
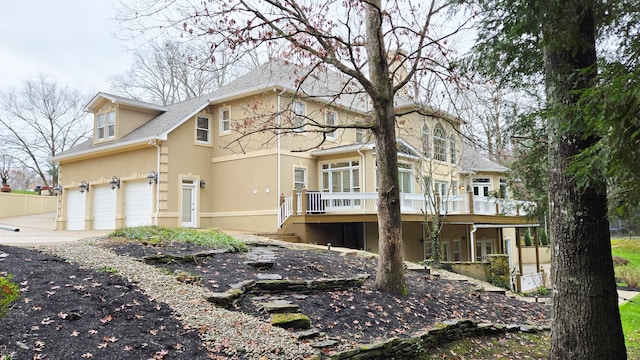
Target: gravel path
[[239, 334]]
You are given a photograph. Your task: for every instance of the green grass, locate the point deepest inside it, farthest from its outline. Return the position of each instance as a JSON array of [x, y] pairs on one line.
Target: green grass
[[630, 316], [628, 249], [157, 235]]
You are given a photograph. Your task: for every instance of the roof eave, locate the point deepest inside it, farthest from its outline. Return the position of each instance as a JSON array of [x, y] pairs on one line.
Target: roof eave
[[106, 148]]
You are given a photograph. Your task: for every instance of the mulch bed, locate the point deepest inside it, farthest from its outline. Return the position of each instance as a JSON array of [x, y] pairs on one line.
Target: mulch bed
[[140, 328]]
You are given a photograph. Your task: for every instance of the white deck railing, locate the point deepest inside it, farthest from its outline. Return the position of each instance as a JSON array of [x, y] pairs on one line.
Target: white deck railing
[[366, 203]]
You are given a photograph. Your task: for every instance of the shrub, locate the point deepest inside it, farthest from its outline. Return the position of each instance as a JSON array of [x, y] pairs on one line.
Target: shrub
[[544, 238], [527, 239], [9, 292], [628, 274], [156, 235]]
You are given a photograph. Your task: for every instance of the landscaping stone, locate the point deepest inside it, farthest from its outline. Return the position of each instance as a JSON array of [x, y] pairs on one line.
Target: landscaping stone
[[291, 321], [308, 334], [269, 277], [325, 344], [280, 306]]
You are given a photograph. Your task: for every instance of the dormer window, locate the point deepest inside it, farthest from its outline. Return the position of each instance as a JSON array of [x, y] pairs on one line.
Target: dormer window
[[202, 129], [106, 126]]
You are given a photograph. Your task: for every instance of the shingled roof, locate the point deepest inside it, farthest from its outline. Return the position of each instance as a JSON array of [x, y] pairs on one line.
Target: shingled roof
[[310, 83]]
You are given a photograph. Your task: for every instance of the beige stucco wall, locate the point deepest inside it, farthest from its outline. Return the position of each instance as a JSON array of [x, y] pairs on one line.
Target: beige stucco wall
[[24, 204], [529, 255], [132, 165]]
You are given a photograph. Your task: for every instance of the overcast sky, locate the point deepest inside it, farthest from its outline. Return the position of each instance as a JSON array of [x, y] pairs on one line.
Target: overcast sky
[[72, 41]]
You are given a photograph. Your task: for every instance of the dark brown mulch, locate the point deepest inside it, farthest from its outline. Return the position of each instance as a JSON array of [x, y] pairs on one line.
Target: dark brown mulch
[[70, 313], [115, 318], [359, 315]]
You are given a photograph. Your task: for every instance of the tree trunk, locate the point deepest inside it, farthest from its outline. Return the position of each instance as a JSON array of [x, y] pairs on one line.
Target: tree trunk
[[390, 273], [586, 320]]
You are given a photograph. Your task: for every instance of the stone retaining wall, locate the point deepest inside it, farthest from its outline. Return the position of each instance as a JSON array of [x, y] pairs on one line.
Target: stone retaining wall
[[414, 347]]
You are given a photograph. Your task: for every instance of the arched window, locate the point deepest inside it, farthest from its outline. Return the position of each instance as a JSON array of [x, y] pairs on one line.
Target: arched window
[[426, 142], [439, 143], [453, 154]]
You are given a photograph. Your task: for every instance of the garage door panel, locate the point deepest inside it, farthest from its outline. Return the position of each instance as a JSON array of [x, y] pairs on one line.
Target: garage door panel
[[76, 209], [138, 204], [104, 208]]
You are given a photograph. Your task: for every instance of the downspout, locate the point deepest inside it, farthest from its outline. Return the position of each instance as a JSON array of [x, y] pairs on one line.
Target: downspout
[[157, 213], [279, 162], [472, 239]]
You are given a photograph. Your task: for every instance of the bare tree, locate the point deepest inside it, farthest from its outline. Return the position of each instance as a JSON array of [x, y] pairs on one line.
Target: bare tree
[[168, 72], [377, 46], [40, 121]]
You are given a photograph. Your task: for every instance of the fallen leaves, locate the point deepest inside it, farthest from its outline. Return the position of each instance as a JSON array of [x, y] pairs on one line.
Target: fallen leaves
[[106, 319]]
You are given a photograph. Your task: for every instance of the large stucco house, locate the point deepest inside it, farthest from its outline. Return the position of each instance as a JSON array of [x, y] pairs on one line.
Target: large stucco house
[[179, 165]]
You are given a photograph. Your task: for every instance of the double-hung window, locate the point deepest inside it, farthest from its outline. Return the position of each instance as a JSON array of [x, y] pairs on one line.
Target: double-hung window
[[100, 124], [359, 133], [405, 178], [299, 178], [202, 129], [330, 121], [225, 121], [111, 124], [297, 123], [106, 126]]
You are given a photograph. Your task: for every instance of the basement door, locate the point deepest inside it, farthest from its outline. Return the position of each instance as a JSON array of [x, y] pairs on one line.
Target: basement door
[[188, 208]]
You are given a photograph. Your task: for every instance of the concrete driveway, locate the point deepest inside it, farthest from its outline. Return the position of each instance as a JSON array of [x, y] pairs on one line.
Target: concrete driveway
[[39, 229]]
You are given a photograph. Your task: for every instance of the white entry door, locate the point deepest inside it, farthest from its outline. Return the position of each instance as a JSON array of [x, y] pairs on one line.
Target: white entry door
[[104, 208], [138, 204], [76, 209], [188, 208]]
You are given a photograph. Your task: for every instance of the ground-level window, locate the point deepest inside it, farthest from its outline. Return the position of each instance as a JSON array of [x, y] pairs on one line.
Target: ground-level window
[[445, 251], [456, 250], [483, 248]]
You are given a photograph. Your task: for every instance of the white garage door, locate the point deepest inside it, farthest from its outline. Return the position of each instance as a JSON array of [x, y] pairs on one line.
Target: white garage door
[[104, 208], [138, 204], [75, 209]]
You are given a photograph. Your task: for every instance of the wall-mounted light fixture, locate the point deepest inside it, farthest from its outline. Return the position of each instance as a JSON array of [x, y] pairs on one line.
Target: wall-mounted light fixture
[[84, 186], [57, 189], [115, 183], [202, 184], [152, 177]]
